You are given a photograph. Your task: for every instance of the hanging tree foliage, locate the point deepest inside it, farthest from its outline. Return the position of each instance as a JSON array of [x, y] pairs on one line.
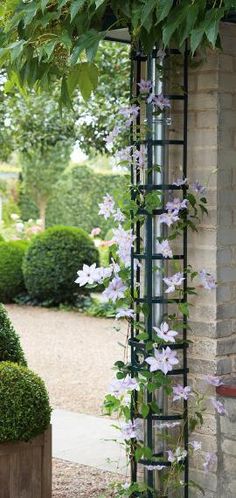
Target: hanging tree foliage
[[45, 40]]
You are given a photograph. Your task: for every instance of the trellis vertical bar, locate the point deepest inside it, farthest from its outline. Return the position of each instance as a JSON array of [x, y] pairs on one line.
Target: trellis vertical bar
[[133, 463], [149, 251]]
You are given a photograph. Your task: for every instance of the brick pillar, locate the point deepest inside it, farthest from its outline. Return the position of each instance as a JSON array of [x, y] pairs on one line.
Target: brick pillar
[[212, 161]]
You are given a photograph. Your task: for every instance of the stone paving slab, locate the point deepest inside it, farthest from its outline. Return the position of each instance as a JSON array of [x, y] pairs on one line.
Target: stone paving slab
[[87, 440]]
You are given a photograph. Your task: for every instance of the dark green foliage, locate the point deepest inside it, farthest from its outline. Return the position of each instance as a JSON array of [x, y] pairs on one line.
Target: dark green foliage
[[27, 206], [11, 276], [10, 348], [51, 263], [24, 408], [59, 35], [1, 238], [102, 309], [76, 198]]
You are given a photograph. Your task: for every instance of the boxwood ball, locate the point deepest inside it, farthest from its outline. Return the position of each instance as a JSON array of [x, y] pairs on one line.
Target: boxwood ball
[[51, 263]]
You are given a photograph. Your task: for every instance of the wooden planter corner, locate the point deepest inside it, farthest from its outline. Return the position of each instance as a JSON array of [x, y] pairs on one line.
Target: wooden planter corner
[[26, 468]]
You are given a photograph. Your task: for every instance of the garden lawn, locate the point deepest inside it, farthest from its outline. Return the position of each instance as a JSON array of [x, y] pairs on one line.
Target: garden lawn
[[73, 353]]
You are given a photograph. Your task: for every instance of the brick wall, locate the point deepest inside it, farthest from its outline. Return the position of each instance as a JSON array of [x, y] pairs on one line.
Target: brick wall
[[212, 160]]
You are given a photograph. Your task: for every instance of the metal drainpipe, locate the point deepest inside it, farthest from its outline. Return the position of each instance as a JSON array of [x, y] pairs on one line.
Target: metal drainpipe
[[159, 178]]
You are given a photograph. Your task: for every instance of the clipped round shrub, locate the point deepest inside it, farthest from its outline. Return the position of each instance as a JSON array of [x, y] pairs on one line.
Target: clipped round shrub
[[24, 408], [51, 263], [10, 347], [11, 276]]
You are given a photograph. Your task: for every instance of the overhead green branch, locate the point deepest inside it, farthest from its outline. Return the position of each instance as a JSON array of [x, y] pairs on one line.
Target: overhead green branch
[[45, 40]]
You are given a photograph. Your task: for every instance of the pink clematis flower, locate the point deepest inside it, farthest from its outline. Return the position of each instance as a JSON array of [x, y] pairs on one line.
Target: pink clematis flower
[[213, 380], [181, 392], [107, 207], [176, 205], [169, 218], [180, 181], [207, 280], [165, 333], [163, 360], [177, 455], [132, 429], [173, 281], [124, 313], [88, 275], [164, 249], [209, 461], [219, 407], [115, 289], [198, 188], [159, 101], [145, 86], [120, 386], [196, 445], [130, 113]]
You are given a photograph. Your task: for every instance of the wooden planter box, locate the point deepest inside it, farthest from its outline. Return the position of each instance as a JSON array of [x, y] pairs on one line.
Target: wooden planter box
[[26, 468]]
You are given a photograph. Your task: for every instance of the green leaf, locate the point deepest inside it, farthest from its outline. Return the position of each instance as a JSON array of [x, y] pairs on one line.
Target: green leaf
[[48, 48], [212, 29], [197, 35], [16, 48], [44, 5], [85, 76], [65, 97], [89, 41], [145, 410], [61, 3], [65, 39], [191, 19], [175, 19], [163, 8], [154, 407], [143, 336], [98, 3], [30, 11], [184, 308], [138, 454], [75, 7], [149, 6], [191, 199]]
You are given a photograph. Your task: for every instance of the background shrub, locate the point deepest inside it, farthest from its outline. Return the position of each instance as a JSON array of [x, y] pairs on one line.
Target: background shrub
[[77, 195], [51, 263], [24, 408], [10, 348], [1, 238], [28, 208], [11, 276]]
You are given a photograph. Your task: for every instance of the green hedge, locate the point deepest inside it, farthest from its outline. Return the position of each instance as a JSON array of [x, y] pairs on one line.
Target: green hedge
[[27, 206], [10, 348], [24, 409], [51, 263], [76, 198], [11, 276]]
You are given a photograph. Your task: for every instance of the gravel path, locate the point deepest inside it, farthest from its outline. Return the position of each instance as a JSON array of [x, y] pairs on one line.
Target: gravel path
[[73, 353], [78, 481]]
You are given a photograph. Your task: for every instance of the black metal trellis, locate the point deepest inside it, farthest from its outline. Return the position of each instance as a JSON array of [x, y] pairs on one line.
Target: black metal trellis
[[147, 255]]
